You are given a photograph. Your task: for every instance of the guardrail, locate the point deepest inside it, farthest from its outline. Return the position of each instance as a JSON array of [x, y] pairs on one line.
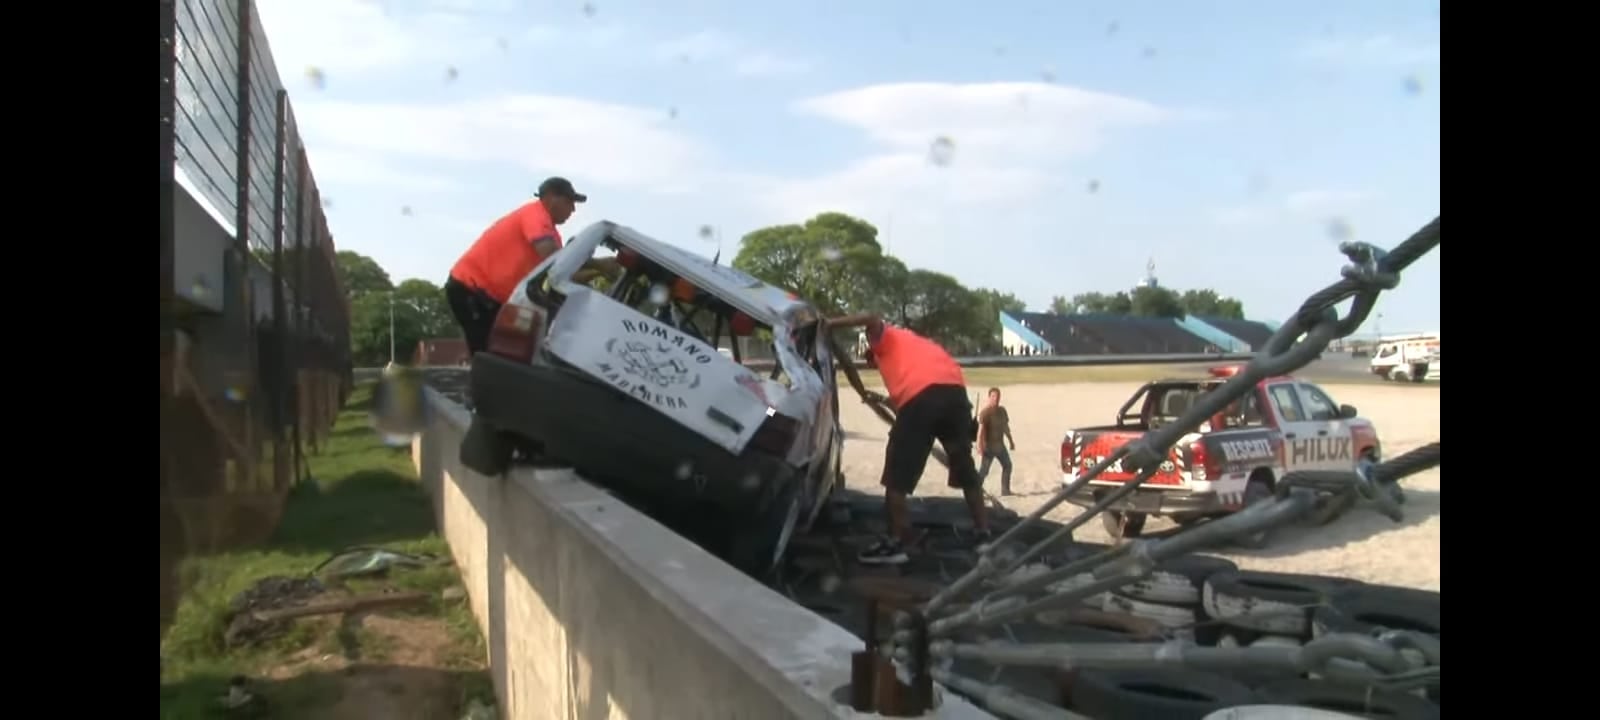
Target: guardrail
[[592, 609]]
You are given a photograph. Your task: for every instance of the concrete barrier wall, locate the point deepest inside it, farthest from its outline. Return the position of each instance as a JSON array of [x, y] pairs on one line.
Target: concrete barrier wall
[[593, 610]]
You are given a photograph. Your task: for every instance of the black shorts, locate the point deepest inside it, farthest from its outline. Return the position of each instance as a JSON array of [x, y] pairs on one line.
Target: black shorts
[[940, 412], [475, 312]]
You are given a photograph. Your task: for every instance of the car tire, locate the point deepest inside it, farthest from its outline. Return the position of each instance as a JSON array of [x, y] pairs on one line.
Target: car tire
[[1368, 702], [1177, 581], [1259, 489], [1275, 603], [485, 450], [1366, 609], [1165, 693], [1169, 616], [1123, 525], [756, 547]]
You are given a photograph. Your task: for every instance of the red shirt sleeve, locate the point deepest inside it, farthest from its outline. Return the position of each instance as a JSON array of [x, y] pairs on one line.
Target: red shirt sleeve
[[535, 224]]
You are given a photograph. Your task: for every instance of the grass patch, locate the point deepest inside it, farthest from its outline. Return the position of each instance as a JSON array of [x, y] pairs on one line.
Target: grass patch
[[361, 493]]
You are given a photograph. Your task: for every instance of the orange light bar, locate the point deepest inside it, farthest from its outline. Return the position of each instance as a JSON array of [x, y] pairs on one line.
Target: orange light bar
[[683, 290], [1223, 371]]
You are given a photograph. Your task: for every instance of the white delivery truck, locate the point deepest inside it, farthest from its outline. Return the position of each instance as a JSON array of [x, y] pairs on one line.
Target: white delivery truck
[[1407, 358]]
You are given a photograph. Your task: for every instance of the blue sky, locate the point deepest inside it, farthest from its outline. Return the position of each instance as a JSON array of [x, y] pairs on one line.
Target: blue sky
[[1224, 140]]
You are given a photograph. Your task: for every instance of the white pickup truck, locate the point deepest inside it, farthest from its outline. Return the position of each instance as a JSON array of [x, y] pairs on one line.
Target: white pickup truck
[[1234, 459]]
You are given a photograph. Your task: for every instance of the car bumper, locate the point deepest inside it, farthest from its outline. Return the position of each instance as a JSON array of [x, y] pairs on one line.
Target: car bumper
[[1151, 501], [615, 441]]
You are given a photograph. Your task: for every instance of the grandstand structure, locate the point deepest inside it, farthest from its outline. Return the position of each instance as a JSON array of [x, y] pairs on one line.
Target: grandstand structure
[[1102, 334]]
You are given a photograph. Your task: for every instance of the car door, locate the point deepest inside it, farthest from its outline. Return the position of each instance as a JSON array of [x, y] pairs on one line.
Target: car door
[[1299, 432], [827, 440], [1333, 449]]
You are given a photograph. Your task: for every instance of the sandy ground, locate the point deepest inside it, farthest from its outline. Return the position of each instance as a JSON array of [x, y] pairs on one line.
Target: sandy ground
[[1362, 544]]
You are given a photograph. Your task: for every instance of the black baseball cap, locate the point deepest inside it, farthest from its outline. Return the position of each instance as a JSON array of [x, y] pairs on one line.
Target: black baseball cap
[[562, 187]]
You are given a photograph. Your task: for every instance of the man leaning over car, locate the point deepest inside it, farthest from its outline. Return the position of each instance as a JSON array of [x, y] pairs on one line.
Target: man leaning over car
[[487, 274]]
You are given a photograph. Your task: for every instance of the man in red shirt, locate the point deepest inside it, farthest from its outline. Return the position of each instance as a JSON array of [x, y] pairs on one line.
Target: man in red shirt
[[486, 276], [929, 395]]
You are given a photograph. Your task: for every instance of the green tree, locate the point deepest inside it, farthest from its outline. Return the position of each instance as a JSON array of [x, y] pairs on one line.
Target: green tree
[[1061, 306], [1095, 302], [361, 274], [428, 303], [936, 305], [991, 303], [1208, 303], [835, 262], [832, 260], [370, 326], [1155, 302]]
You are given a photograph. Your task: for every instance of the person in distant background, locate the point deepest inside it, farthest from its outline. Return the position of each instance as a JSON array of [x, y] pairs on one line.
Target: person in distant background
[[994, 434], [929, 395], [487, 274]]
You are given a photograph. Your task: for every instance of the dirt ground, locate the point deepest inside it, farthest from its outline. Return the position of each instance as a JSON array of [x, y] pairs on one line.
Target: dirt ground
[[381, 667], [1362, 544]]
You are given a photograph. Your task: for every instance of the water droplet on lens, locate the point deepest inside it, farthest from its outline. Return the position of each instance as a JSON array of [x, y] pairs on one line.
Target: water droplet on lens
[[942, 151], [1339, 229]]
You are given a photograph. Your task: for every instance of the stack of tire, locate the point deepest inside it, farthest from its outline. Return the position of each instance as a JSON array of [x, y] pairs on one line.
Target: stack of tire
[[1213, 603]]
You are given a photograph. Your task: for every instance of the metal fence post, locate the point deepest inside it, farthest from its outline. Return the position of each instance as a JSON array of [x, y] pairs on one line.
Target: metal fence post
[[241, 259], [301, 302], [279, 327]]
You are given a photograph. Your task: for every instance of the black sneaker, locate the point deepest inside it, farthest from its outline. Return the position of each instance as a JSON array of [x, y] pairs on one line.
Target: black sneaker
[[883, 552]]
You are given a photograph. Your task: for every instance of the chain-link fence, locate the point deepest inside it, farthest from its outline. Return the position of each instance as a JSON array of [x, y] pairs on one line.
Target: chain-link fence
[[255, 346]]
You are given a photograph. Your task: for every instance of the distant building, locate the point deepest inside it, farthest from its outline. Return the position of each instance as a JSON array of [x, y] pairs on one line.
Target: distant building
[[441, 352]]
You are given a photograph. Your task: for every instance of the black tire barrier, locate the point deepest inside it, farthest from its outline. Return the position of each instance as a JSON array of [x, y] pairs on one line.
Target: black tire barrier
[[1365, 609], [1278, 603], [1358, 701], [1148, 694]]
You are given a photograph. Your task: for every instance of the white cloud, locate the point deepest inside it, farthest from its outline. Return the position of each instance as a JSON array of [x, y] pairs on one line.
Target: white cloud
[[345, 38], [588, 140], [988, 123], [717, 48], [1004, 152], [334, 164], [1371, 51], [1011, 161], [353, 36]]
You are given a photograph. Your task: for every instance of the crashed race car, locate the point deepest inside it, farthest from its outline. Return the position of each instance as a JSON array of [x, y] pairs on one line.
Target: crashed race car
[[641, 385], [1233, 460]]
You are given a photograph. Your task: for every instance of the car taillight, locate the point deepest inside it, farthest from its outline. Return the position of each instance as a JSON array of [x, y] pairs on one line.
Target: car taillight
[[515, 334], [1069, 455], [1201, 462], [776, 434]]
